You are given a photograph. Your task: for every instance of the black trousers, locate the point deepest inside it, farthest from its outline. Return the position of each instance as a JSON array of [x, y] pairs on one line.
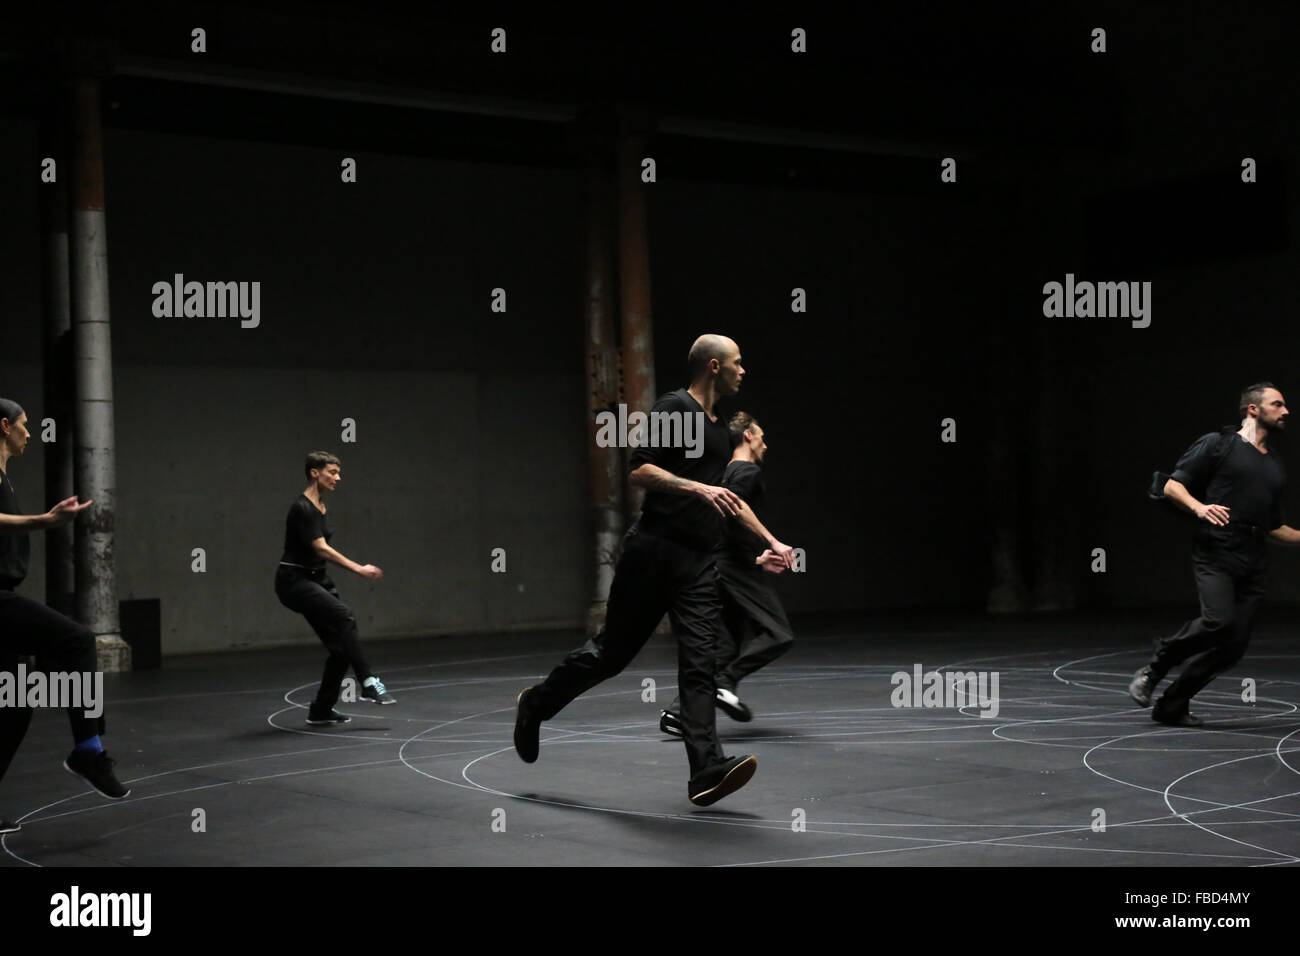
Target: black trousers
[[29, 628], [756, 631], [314, 596], [653, 576], [14, 722], [1230, 569]]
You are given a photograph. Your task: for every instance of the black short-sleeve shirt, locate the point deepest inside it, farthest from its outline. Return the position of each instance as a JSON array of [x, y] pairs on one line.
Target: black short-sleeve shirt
[[1248, 482], [745, 478], [15, 549], [304, 525], [685, 517]]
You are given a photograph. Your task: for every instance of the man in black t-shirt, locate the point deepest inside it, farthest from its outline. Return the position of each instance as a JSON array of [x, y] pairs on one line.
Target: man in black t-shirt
[[27, 627], [756, 631], [1241, 510], [668, 565]]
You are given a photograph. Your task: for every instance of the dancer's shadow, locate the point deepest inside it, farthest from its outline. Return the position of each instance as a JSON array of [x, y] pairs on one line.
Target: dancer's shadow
[[758, 733], [342, 731], [666, 816], [766, 732], [265, 731]]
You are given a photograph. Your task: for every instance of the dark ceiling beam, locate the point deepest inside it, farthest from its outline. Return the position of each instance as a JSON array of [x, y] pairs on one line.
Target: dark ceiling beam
[[347, 91], [810, 139], [532, 110]]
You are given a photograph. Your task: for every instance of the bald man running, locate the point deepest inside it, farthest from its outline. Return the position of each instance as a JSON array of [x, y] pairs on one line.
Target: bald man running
[[667, 565]]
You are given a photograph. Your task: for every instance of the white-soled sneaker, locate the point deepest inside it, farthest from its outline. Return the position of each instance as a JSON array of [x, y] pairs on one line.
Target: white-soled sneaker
[[374, 691], [733, 706]]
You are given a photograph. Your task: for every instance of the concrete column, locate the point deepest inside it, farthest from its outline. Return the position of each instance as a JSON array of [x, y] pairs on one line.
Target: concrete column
[[93, 370]]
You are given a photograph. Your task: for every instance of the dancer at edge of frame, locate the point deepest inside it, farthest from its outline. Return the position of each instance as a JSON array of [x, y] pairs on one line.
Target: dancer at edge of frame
[[668, 565], [302, 585], [1239, 480], [755, 629], [28, 627]]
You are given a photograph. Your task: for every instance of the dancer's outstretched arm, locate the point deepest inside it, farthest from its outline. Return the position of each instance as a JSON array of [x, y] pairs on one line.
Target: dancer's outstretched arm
[[62, 513], [320, 546]]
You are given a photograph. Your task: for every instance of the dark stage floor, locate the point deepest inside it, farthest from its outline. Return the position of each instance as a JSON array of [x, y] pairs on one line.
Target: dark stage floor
[[434, 780]]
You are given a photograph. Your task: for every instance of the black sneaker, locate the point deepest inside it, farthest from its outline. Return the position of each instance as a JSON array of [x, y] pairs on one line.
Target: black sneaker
[[97, 770], [528, 730], [374, 691], [713, 783], [670, 722], [8, 827], [316, 719], [733, 706], [1142, 686], [1184, 719]]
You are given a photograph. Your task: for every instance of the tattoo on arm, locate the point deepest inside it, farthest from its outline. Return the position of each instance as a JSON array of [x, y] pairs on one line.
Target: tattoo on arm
[[654, 478]]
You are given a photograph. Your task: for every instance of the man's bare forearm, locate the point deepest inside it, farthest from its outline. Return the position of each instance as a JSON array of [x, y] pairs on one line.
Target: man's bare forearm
[[1284, 534], [653, 478], [1177, 492], [753, 524]]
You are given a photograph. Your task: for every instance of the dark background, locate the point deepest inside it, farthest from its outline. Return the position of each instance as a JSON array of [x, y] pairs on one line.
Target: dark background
[[775, 171]]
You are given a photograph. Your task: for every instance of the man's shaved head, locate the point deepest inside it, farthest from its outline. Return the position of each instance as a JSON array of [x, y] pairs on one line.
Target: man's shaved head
[[706, 348]]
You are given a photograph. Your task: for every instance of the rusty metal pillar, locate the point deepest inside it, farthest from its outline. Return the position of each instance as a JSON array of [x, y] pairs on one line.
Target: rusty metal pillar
[[606, 472], [637, 329], [60, 548], [95, 454]]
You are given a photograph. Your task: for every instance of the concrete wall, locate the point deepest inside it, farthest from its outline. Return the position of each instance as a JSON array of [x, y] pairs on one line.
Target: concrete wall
[[470, 425], [375, 306]]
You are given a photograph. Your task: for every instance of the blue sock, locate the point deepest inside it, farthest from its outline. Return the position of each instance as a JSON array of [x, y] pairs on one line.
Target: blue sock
[[90, 743]]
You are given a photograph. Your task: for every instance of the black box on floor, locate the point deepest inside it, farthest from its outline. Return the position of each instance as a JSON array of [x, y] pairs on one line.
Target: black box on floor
[[141, 623]]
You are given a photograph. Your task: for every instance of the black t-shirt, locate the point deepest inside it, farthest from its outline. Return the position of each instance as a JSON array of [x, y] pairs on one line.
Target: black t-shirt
[[15, 549], [685, 517], [1248, 482], [745, 478], [303, 526]]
